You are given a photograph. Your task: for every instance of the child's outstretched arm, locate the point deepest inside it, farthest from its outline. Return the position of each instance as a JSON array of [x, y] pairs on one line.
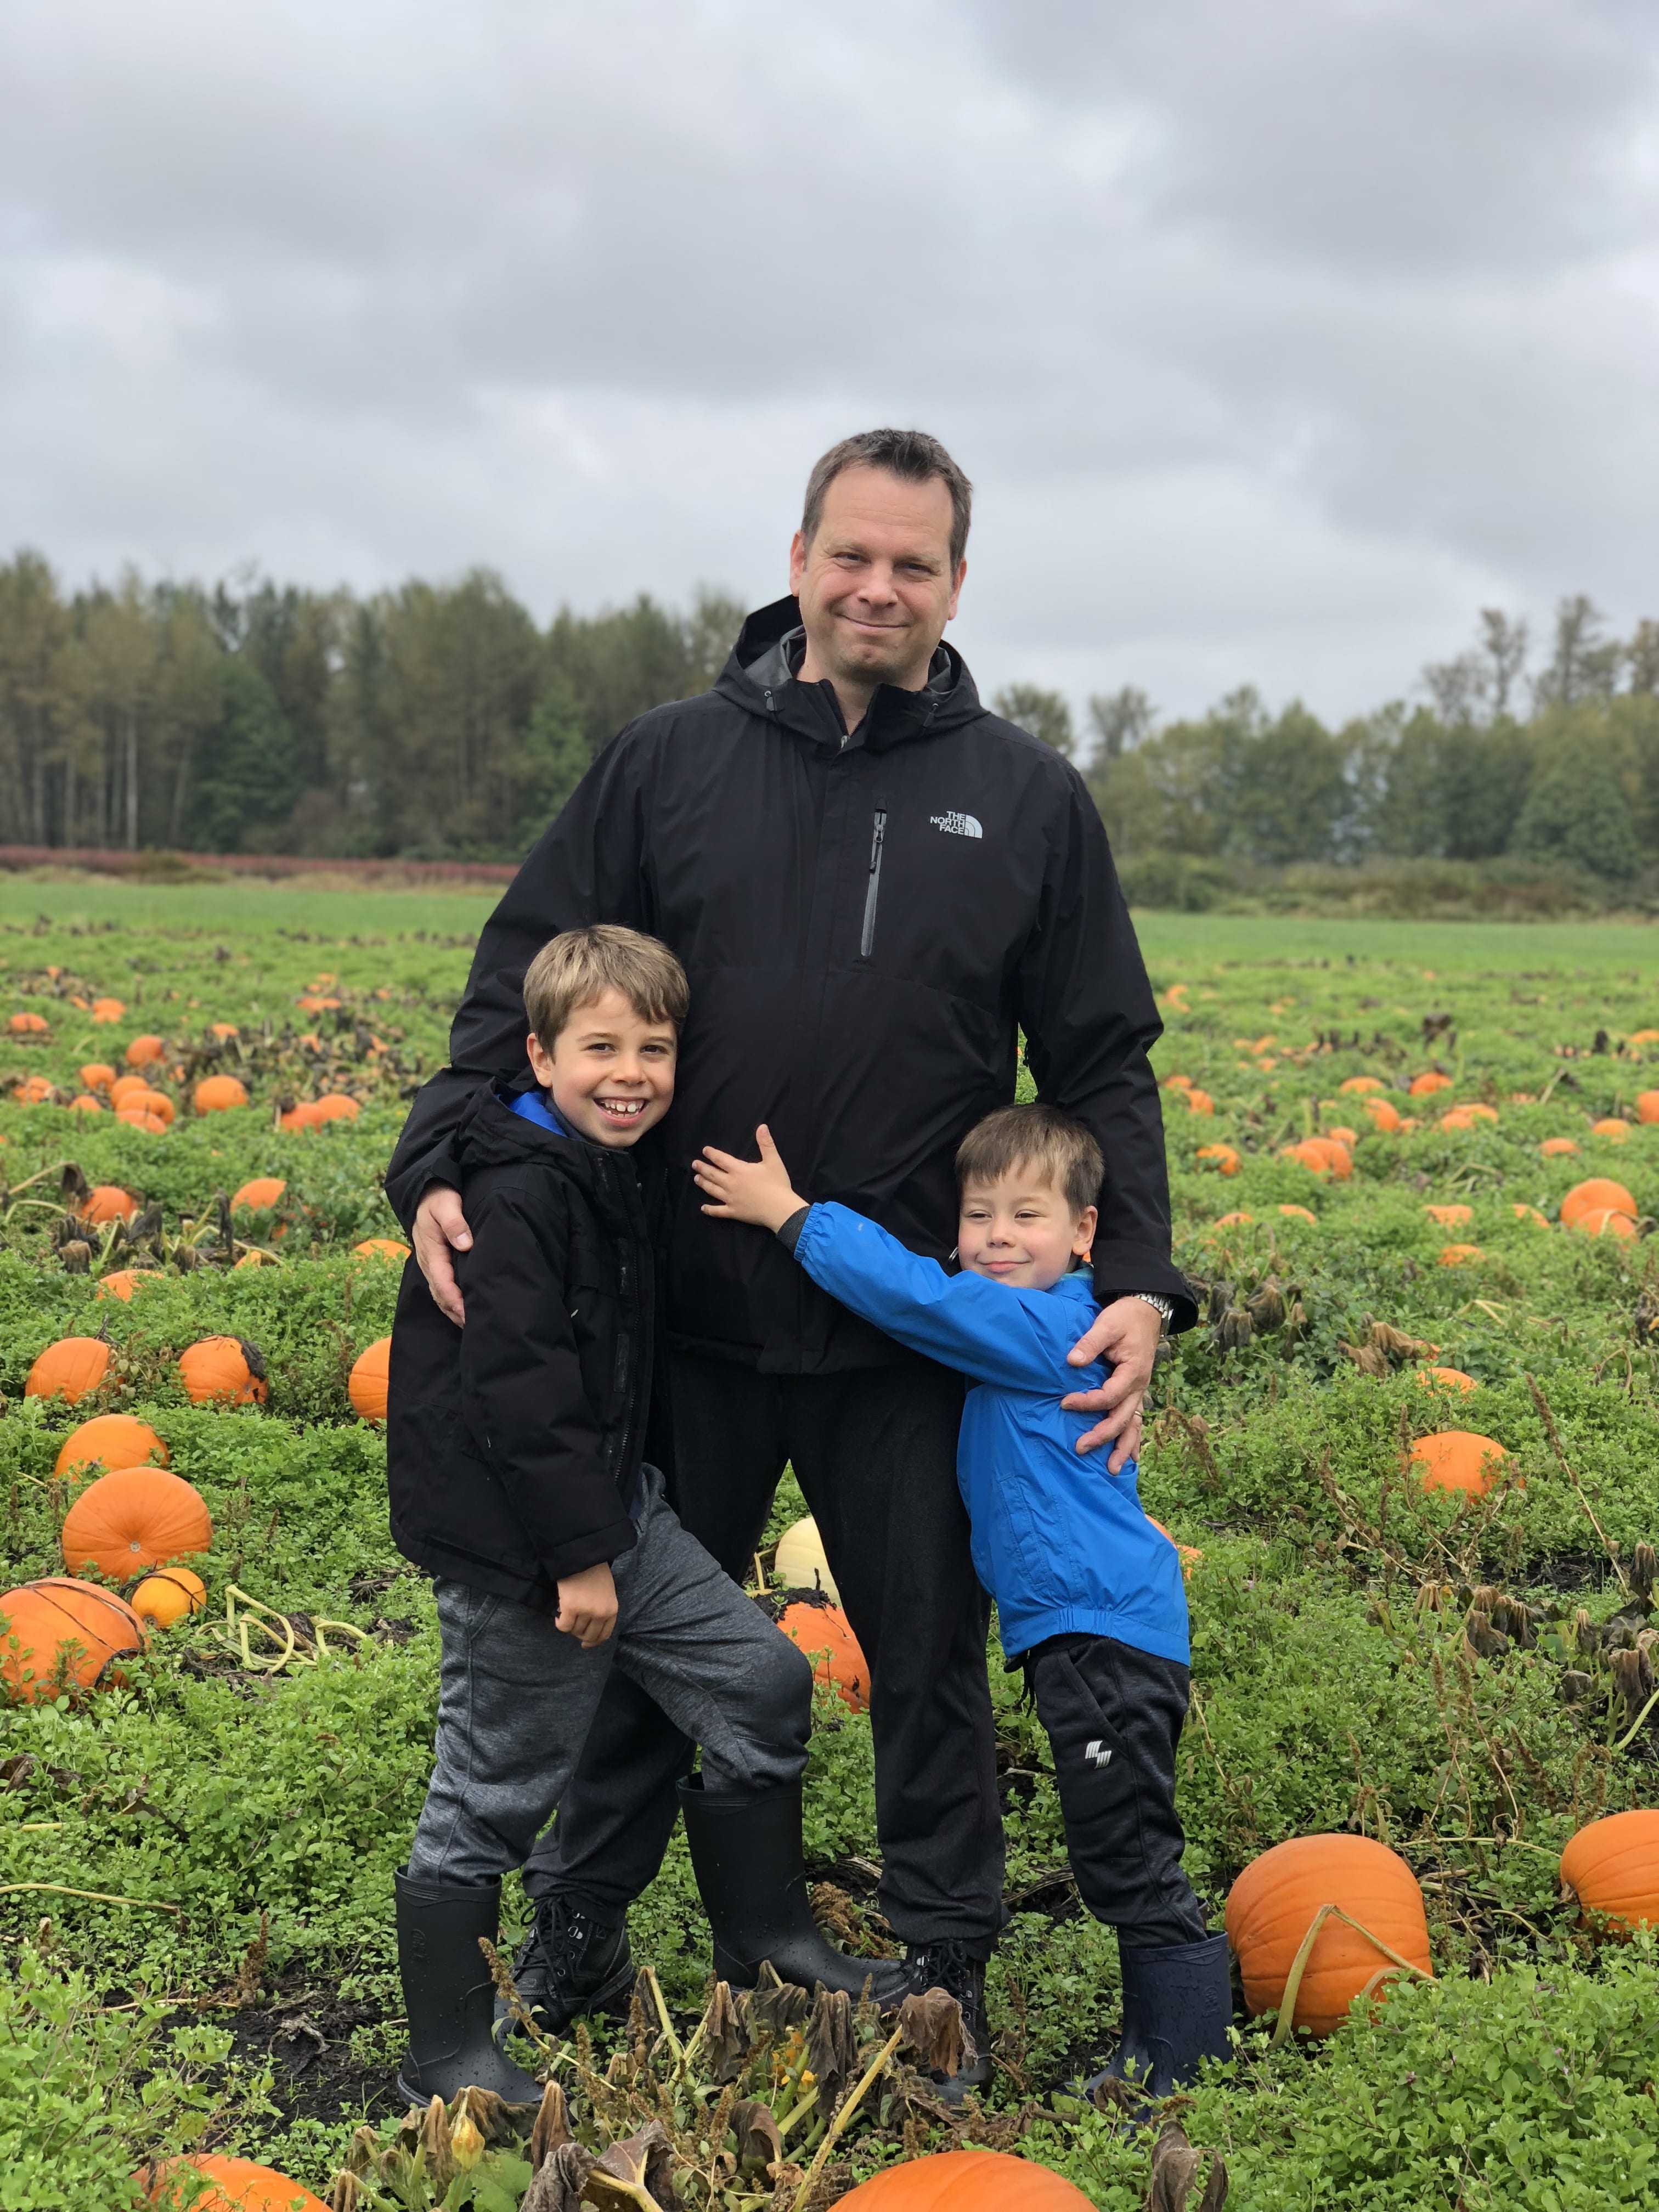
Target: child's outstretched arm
[[748, 1190]]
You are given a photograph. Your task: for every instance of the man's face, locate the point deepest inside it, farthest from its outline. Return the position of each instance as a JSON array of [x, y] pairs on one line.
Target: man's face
[[876, 585], [610, 1073]]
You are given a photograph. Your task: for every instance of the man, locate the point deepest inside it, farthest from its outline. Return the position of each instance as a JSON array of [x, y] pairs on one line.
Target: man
[[875, 886]]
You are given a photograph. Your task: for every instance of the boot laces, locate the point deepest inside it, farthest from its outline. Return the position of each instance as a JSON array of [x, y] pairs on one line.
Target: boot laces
[[565, 1935], [947, 1965]]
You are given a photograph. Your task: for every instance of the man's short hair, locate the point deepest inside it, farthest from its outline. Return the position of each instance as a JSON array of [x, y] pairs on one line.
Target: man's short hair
[[1038, 1137], [909, 454], [580, 965]]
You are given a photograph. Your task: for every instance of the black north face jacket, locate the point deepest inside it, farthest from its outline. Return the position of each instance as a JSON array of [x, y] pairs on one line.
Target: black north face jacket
[[868, 924], [514, 1445]]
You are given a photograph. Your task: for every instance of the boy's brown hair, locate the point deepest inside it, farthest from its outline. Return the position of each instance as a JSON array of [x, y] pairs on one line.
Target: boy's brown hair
[[580, 965], [1033, 1137]]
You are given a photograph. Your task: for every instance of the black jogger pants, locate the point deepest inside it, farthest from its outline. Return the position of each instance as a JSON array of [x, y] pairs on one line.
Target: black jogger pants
[[1113, 1716], [874, 1452]]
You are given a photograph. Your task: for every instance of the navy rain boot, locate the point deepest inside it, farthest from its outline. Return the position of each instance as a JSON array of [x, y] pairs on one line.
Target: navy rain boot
[[1177, 2007]]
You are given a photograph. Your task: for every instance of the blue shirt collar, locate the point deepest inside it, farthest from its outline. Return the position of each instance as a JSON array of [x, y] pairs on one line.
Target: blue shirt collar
[[532, 1106]]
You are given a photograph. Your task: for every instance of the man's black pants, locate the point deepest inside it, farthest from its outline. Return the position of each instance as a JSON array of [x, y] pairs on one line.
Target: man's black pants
[[874, 1451], [1113, 1716]]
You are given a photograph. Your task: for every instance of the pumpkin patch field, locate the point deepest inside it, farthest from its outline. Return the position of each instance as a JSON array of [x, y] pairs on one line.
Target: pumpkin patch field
[[1410, 1453]]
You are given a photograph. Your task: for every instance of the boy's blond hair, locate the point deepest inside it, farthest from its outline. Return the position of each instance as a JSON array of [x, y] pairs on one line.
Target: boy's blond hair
[[1038, 1137], [580, 965]]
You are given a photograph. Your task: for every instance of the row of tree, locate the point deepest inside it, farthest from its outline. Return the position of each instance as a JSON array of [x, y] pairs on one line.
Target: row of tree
[[439, 720]]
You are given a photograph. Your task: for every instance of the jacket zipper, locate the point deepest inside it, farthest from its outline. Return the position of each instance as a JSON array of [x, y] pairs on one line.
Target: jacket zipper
[[877, 839]]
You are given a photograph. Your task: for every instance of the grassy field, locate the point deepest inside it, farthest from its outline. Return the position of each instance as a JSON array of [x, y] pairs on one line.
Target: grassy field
[[1461, 1678]]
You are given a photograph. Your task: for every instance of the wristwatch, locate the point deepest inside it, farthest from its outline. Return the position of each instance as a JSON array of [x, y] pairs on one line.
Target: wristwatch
[[1163, 1308]]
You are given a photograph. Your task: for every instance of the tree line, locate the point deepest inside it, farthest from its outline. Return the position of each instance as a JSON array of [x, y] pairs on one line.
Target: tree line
[[440, 722]]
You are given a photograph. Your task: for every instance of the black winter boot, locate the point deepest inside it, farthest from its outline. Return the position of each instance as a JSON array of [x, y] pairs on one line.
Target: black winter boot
[[570, 1963], [949, 1965], [449, 1994], [746, 1855], [1177, 2006]]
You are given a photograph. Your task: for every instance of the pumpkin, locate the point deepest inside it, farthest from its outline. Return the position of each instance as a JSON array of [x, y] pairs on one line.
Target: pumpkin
[[1613, 1868], [966, 2181], [27, 1024], [1458, 1459], [1606, 1221], [302, 1116], [334, 1106], [1188, 1556], [1385, 1117], [380, 1247], [223, 1370], [161, 1601], [1234, 1220], [223, 1029], [107, 1201], [260, 1195], [110, 1440], [150, 1101], [1480, 1110], [72, 1368], [239, 2185], [1595, 1196], [1226, 1159], [256, 1258], [107, 1010], [1611, 1127], [1200, 1102], [97, 1075], [1176, 1083], [42, 1616], [86, 1103], [1529, 1213], [1458, 1118], [824, 1633], [367, 1386], [124, 1282], [140, 1117], [1647, 1105], [800, 1561], [1558, 1148], [1420, 1086], [1321, 1156], [144, 1051], [1458, 1256], [1299, 1213], [35, 1092], [218, 1094], [1446, 1378], [1279, 1897], [1360, 1084], [133, 1519], [1449, 1216]]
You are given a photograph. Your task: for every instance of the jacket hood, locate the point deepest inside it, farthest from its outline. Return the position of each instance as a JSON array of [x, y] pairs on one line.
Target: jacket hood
[[492, 1135], [760, 675]]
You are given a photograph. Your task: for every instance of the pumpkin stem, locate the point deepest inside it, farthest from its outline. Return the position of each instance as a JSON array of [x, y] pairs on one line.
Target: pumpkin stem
[[1299, 1964]]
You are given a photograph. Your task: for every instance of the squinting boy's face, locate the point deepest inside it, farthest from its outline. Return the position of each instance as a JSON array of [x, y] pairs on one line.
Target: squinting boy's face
[[610, 1073], [1021, 1230]]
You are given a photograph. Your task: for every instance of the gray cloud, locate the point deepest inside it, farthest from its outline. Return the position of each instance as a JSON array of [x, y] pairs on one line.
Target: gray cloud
[[1276, 339]]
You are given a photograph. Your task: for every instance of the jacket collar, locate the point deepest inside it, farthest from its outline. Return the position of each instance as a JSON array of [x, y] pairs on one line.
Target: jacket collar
[[762, 676]]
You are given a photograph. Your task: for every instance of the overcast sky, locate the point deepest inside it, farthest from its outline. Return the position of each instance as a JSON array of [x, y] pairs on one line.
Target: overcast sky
[[1277, 338]]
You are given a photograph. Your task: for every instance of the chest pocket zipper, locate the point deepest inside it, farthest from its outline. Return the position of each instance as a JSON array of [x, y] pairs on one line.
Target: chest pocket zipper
[[871, 896]]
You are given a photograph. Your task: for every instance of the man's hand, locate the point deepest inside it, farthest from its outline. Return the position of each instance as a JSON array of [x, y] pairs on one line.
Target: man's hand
[[587, 1606], [748, 1190], [1126, 1334], [439, 1226]]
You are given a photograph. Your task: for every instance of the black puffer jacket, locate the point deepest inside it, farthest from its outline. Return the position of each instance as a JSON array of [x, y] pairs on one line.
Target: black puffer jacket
[[868, 923], [514, 1445]]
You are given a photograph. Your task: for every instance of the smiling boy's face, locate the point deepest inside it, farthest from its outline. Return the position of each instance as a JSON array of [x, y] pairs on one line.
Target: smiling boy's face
[[1021, 1230], [610, 1073]]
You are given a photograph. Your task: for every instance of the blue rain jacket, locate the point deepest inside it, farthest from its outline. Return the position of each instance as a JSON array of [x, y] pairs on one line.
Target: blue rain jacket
[[1064, 1547]]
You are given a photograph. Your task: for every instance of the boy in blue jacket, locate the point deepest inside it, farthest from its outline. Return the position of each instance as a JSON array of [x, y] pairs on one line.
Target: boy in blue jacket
[[1088, 1592]]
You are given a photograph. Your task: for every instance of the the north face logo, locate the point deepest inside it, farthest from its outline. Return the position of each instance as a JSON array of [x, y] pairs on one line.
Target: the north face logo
[[956, 825]]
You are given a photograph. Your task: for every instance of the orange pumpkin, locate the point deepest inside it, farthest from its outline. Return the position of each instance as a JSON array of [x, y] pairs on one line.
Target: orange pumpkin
[[1606, 1221], [43, 1616], [122, 1282], [1234, 1220], [1422, 1085], [1595, 1196], [334, 1106], [1361, 1084], [223, 1029], [1226, 1159], [1278, 1898], [1529, 1213], [260, 1195], [1613, 1868], [145, 1050], [107, 1010], [302, 1116], [127, 1087], [1458, 1256], [223, 1370], [1299, 1213], [35, 1092], [1446, 1378], [107, 1201], [1611, 1127], [824, 1633], [110, 1440], [1321, 1156], [967, 2181], [1199, 1102], [140, 1117], [162, 1600], [239, 2185], [86, 1103], [27, 1024], [370, 1373], [72, 1368], [1458, 1118], [1385, 1117], [1647, 1106], [1558, 1148], [1449, 1216], [380, 1247], [97, 1075], [218, 1094], [150, 1101], [133, 1519], [1189, 1556], [1458, 1459]]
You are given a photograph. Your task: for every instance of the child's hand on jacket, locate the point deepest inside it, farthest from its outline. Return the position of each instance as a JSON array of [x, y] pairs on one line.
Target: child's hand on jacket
[[748, 1190], [587, 1606]]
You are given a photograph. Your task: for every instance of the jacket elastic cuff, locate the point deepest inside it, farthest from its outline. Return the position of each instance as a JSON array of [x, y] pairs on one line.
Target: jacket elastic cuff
[[789, 1234]]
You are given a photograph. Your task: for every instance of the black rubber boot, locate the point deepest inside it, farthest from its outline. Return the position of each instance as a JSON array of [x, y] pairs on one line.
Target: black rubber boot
[[569, 1963], [449, 1994], [1177, 2007], [746, 1855], [951, 1967]]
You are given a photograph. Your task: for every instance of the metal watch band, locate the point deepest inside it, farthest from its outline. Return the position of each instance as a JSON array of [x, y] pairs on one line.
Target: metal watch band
[[1163, 1308]]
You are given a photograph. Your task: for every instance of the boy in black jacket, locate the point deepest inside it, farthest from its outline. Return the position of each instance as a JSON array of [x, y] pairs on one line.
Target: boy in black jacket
[[514, 1460]]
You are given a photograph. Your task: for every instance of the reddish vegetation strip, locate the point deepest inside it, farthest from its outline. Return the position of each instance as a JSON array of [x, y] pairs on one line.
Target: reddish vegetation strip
[[112, 861]]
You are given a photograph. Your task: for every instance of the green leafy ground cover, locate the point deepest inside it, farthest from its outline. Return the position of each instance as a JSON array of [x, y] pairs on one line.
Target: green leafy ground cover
[[234, 1983]]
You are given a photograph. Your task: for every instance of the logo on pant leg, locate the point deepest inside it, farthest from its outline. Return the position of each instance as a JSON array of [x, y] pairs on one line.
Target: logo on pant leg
[[1098, 1754]]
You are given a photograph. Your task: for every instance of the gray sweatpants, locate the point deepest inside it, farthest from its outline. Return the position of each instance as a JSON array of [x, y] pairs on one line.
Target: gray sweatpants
[[517, 1697]]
